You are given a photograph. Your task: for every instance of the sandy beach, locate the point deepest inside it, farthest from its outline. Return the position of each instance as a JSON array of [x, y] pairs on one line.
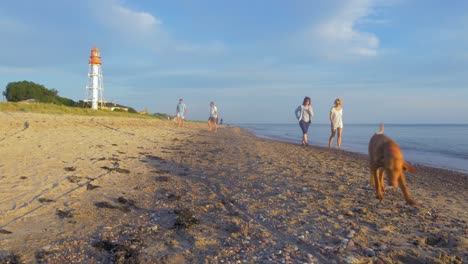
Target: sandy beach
[[80, 189]]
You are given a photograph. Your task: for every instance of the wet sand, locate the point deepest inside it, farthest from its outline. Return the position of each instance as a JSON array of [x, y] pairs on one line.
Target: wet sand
[[78, 189]]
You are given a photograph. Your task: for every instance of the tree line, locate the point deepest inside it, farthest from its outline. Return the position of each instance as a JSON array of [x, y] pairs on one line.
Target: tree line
[[25, 90]]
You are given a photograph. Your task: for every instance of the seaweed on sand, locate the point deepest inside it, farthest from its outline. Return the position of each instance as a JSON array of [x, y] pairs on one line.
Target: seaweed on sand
[[185, 219]]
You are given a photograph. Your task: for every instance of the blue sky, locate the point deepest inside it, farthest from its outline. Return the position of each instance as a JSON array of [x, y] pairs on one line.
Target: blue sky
[[396, 61]]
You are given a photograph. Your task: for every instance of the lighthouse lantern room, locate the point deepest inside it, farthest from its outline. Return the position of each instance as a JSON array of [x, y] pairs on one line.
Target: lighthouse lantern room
[[95, 86]]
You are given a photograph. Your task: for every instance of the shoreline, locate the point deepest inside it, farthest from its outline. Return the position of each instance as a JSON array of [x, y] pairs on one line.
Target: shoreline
[[101, 189], [362, 155], [411, 161]]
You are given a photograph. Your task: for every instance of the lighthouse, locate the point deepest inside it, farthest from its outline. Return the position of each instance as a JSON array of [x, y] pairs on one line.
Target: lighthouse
[[95, 86]]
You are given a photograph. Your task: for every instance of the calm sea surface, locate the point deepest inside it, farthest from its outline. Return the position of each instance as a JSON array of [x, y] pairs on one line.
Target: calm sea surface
[[443, 146]]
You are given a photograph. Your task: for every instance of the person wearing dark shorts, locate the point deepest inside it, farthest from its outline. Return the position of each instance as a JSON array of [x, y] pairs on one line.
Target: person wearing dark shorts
[[304, 114]]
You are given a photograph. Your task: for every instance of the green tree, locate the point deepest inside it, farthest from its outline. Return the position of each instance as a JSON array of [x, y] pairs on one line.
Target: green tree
[[24, 90]]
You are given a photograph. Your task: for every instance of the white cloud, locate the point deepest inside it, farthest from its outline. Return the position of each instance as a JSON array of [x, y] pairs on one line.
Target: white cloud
[[145, 29], [129, 23], [336, 36]]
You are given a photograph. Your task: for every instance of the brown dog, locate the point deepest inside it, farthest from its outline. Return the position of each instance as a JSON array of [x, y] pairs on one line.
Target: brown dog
[[386, 157]]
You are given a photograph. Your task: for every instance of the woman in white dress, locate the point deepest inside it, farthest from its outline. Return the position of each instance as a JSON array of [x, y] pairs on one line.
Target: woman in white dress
[[336, 120]]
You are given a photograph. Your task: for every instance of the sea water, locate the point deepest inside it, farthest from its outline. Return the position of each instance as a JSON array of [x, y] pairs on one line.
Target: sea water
[[442, 146]]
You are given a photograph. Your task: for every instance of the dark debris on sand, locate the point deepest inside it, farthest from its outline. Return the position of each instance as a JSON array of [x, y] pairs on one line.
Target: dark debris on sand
[[74, 179], [89, 186], [7, 257], [119, 170], [45, 200], [70, 168], [64, 213], [6, 232], [123, 200], [185, 219], [118, 253]]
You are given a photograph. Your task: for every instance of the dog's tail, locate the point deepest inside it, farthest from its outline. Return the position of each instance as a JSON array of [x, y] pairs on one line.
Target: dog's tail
[[381, 129]]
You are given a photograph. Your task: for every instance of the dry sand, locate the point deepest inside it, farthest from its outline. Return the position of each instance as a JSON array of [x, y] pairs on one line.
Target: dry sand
[[78, 189]]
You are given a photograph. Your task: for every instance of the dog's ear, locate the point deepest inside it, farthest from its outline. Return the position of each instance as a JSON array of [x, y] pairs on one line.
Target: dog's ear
[[408, 167]]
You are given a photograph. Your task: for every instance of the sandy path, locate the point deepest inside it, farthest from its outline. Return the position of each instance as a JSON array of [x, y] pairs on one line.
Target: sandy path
[[170, 196]]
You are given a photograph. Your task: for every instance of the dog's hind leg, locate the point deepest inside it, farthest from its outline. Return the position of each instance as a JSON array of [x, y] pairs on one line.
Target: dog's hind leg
[[381, 172], [373, 175], [404, 189], [375, 181], [379, 180]]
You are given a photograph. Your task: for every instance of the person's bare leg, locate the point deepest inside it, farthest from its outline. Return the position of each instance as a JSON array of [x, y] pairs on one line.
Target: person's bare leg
[[340, 132], [330, 140]]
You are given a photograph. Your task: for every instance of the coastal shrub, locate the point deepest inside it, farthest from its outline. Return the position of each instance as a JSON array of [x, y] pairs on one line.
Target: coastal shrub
[[25, 90], [162, 116]]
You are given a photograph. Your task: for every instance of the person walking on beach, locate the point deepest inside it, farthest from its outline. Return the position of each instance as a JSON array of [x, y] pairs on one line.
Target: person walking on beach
[[336, 122], [181, 111], [213, 119], [304, 114]]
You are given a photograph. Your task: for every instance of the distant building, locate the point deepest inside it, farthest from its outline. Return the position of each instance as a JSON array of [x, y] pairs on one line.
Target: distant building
[[114, 106], [29, 101], [144, 112]]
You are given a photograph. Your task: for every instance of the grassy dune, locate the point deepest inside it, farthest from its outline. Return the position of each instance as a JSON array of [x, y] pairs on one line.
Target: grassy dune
[[45, 108]]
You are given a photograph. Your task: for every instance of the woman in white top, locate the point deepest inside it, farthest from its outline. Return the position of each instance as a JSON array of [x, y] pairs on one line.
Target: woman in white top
[[336, 120]]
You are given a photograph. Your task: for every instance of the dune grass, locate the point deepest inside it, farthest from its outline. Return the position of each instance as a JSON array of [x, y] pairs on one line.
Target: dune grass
[[45, 108]]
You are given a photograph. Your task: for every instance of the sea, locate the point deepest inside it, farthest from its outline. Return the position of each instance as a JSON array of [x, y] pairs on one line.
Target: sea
[[441, 146]]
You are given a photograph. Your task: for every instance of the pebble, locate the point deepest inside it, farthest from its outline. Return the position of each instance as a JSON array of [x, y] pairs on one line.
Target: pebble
[[349, 213], [361, 210], [351, 234], [369, 252], [382, 247], [46, 247], [344, 241], [304, 189], [351, 260]]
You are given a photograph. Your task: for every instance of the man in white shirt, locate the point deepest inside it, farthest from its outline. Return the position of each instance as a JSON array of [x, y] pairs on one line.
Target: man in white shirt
[[213, 119]]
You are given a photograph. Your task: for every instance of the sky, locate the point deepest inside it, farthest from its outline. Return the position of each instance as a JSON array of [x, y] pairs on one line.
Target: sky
[[393, 61]]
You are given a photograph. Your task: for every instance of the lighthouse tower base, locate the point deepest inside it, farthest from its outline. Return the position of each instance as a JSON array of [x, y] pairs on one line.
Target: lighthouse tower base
[[95, 88]]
